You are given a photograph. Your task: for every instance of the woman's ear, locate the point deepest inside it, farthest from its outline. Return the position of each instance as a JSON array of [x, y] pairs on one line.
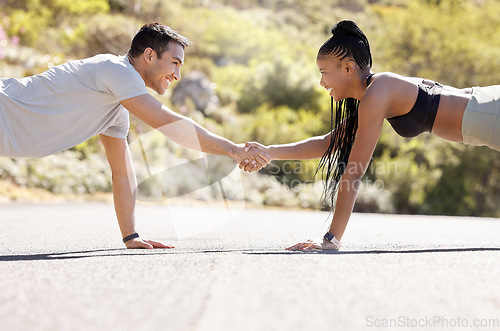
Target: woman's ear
[[350, 66]]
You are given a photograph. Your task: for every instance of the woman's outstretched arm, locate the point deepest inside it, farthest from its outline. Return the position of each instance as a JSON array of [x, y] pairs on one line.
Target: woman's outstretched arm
[[310, 148]]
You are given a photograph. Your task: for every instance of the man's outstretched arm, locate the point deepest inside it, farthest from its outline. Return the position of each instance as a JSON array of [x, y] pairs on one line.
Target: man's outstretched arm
[[124, 189], [188, 133]]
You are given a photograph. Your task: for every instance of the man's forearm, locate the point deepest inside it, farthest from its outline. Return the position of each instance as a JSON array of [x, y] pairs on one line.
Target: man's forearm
[[124, 201], [180, 129], [190, 134]]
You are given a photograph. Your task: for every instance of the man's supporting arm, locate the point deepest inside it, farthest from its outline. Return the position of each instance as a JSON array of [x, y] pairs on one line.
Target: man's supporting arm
[[124, 189]]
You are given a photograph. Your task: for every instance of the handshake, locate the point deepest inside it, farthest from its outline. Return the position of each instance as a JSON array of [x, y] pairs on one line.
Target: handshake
[[252, 156]]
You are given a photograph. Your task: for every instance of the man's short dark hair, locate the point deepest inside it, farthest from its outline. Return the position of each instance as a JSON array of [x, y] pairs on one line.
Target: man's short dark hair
[[156, 36]]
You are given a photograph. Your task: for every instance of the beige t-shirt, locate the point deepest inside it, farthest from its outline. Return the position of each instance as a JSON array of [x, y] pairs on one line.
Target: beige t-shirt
[[66, 105]]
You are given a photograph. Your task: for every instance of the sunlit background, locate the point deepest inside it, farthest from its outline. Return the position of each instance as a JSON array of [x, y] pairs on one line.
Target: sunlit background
[[251, 76]]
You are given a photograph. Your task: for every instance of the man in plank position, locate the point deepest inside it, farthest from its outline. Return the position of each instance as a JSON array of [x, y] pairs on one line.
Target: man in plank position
[[70, 103]]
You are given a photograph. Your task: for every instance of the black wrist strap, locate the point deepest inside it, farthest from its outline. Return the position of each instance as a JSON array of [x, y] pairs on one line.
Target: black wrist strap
[[132, 236], [328, 236]]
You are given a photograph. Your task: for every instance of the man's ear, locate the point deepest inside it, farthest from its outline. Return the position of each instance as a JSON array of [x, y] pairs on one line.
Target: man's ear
[[148, 54], [350, 65]]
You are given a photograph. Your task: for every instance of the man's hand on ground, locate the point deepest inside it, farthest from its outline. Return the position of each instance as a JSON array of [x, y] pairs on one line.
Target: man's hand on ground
[[139, 243]]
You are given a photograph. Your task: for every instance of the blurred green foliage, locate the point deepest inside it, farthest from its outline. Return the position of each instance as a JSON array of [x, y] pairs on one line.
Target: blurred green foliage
[[449, 41], [51, 23], [261, 55]]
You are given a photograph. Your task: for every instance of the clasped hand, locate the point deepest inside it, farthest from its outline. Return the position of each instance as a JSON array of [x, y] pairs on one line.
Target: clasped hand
[[255, 156]]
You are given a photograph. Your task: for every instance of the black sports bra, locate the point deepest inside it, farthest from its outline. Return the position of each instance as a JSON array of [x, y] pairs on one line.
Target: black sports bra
[[421, 117]]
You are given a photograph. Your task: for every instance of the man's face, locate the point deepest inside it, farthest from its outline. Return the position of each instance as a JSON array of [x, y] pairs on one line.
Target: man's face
[[161, 72]]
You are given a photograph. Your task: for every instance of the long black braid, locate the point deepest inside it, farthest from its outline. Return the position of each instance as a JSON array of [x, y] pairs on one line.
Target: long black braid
[[334, 161], [347, 40]]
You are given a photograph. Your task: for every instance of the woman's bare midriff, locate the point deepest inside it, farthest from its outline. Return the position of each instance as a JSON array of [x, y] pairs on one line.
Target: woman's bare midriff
[[448, 122], [452, 103]]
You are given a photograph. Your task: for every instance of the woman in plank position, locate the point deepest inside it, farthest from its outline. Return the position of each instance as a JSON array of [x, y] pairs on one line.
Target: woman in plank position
[[361, 101]]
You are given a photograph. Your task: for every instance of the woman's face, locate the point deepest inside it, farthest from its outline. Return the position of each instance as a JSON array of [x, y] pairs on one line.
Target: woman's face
[[334, 76]]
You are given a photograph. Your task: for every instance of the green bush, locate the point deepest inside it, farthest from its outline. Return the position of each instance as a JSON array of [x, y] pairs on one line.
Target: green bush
[[66, 172]]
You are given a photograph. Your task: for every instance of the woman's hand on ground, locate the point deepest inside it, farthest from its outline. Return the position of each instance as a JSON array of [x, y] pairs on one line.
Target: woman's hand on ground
[[139, 243], [313, 245], [305, 246]]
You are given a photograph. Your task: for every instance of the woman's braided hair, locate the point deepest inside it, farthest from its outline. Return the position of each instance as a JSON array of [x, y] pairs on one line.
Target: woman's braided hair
[[347, 40]]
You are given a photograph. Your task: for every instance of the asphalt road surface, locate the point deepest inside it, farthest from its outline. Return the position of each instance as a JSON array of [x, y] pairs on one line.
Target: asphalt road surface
[[63, 267]]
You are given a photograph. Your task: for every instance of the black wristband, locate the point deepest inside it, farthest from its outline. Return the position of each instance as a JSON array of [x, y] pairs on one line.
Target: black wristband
[[132, 236], [328, 236]]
